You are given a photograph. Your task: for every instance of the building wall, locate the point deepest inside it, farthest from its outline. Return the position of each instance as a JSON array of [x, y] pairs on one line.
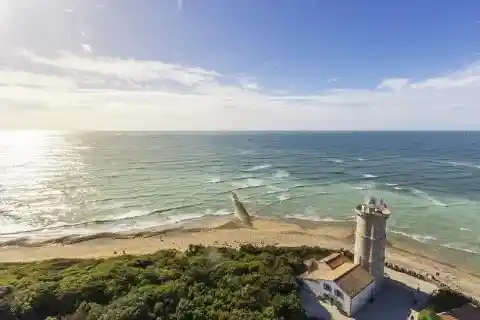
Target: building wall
[[377, 247], [362, 298], [316, 286], [362, 241]]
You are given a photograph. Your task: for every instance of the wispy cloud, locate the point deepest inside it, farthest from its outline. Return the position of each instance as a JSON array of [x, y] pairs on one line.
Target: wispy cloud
[[333, 80], [68, 91]]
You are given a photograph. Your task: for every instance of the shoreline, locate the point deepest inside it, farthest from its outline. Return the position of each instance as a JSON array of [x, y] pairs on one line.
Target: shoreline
[[226, 231]]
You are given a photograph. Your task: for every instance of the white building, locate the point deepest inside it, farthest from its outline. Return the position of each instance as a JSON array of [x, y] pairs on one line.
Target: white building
[[346, 284], [340, 282]]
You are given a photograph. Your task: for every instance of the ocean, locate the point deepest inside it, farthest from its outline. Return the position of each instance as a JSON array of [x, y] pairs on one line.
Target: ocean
[[54, 184]]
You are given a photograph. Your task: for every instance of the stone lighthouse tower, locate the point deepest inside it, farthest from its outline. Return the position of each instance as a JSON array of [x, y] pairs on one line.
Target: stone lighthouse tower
[[371, 236]]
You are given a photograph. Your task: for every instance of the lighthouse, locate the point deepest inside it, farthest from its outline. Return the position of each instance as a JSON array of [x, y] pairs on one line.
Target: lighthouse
[[371, 236]]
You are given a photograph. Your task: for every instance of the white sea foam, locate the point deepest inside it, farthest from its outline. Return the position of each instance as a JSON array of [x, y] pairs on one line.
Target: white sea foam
[[361, 159], [366, 186], [391, 184], [418, 237], [214, 180], [464, 164], [398, 188], [314, 218], [459, 247], [248, 183], [220, 212], [336, 160], [126, 215], [283, 197], [260, 167], [274, 189], [465, 229], [369, 176], [280, 174], [425, 195]]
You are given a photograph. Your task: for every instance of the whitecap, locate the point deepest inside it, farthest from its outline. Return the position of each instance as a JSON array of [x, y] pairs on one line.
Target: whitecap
[[361, 159], [220, 212], [283, 197], [274, 189], [314, 218], [464, 164], [459, 248], [391, 184], [369, 176], [127, 215], [336, 160], [214, 180], [425, 195], [367, 186], [248, 183], [280, 174], [464, 229], [260, 167], [398, 188], [418, 237]]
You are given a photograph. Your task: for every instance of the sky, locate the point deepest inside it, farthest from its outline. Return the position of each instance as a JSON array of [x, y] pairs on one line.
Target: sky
[[240, 65]]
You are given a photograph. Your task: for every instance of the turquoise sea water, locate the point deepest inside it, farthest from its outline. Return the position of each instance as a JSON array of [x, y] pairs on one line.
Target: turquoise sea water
[[53, 184]]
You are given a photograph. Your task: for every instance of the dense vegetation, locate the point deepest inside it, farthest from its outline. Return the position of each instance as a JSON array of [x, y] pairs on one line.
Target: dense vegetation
[[446, 299], [202, 283]]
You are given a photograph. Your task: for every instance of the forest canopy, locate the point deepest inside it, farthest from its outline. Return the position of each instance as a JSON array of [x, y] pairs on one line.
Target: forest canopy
[[201, 283]]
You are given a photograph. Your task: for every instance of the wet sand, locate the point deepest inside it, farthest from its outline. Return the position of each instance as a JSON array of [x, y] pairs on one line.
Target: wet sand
[[227, 231]]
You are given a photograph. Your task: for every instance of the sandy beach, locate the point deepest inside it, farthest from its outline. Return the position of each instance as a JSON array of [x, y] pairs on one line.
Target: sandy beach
[[226, 231]]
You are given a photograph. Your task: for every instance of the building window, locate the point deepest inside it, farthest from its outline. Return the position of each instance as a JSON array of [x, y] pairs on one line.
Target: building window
[[338, 294], [327, 287]]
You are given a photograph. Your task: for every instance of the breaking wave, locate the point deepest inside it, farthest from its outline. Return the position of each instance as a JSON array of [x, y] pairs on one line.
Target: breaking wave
[[260, 167], [425, 195], [248, 183], [280, 174], [459, 248], [464, 164], [316, 218], [283, 197], [418, 237], [105, 220], [336, 160], [367, 186], [215, 180]]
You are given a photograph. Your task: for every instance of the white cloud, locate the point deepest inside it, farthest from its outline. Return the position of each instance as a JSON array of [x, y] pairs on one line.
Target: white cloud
[[10, 77], [67, 91], [394, 83], [87, 47], [332, 80]]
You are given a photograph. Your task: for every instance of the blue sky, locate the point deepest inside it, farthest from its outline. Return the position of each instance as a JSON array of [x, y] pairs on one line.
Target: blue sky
[[301, 65]]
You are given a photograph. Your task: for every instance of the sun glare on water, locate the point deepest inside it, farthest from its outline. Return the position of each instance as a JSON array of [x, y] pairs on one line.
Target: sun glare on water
[[30, 162]]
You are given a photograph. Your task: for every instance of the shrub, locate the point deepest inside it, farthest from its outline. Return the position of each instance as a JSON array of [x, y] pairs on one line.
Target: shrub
[[202, 283]]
